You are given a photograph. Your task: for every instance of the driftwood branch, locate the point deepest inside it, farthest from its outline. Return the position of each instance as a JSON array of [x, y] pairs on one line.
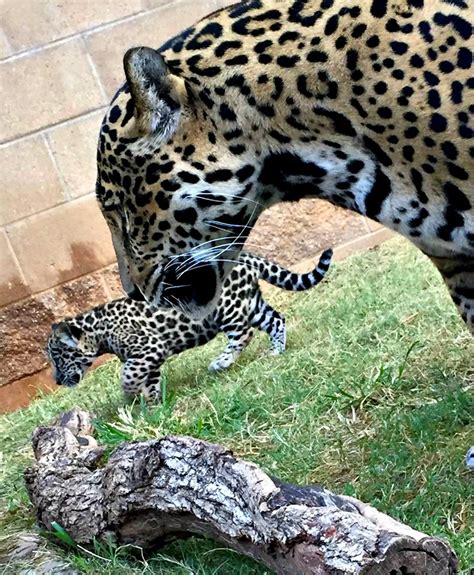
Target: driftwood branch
[[151, 492]]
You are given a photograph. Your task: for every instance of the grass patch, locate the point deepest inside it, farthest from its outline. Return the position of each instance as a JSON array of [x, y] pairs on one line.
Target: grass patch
[[373, 398]]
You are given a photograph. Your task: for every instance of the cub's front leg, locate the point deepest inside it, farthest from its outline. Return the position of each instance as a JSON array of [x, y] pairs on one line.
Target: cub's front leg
[[142, 376]]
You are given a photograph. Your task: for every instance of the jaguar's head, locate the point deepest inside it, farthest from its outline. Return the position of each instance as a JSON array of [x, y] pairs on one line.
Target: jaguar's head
[[178, 194], [71, 352]]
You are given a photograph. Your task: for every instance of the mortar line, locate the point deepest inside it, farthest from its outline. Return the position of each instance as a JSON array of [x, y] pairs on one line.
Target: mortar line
[[105, 285], [73, 36], [88, 31], [65, 188], [18, 264], [49, 209], [50, 127], [95, 72]]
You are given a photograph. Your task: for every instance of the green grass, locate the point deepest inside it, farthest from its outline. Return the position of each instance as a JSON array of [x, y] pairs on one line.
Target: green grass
[[373, 398]]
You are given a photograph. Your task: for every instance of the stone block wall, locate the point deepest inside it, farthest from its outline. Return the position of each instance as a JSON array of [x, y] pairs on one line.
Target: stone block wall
[[60, 62]]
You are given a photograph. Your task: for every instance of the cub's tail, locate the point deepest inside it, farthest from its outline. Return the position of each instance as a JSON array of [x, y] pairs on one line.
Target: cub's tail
[[291, 281]]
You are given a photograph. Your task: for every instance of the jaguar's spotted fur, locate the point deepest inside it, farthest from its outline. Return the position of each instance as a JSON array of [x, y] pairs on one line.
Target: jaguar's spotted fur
[[366, 103], [143, 337]]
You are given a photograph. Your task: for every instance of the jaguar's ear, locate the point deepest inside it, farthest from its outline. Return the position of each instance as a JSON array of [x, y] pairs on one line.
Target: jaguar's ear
[[69, 334], [153, 93]]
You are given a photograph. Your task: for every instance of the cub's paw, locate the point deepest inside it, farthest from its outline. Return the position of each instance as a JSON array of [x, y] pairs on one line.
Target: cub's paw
[[152, 396], [277, 349], [220, 364]]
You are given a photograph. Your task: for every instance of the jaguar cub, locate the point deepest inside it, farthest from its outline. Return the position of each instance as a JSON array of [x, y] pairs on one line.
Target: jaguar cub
[[143, 337]]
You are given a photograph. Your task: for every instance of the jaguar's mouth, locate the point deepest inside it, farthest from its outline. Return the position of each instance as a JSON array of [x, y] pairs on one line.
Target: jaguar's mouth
[[69, 380], [136, 294], [193, 291]]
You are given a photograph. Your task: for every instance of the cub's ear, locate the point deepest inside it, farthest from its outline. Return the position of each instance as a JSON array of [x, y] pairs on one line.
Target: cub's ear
[[67, 333], [153, 93]]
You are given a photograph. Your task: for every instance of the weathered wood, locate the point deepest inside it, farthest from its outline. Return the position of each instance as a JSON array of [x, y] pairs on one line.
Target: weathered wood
[[26, 554], [151, 492]]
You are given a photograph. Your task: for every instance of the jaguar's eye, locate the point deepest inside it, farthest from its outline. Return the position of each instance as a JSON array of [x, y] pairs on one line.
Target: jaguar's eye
[[109, 208], [109, 204]]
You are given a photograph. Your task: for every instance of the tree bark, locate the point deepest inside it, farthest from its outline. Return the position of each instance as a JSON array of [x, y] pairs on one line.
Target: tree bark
[[151, 492]]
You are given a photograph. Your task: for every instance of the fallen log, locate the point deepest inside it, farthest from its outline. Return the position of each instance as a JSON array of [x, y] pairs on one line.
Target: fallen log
[[151, 492]]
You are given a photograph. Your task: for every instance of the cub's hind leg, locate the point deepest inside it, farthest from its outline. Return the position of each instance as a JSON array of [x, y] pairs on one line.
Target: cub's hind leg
[[458, 275], [239, 337], [271, 322]]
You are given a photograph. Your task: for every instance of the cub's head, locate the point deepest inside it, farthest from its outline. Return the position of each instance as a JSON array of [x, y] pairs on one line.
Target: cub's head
[[178, 193], [70, 352]]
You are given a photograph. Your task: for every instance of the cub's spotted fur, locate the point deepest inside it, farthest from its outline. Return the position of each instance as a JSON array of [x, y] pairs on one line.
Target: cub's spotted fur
[[143, 337], [365, 103]]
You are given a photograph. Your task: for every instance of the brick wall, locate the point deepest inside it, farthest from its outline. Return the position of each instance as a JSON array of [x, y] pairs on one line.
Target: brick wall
[[60, 64]]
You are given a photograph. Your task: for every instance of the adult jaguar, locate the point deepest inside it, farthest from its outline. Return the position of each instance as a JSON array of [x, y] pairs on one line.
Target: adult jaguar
[[367, 104]]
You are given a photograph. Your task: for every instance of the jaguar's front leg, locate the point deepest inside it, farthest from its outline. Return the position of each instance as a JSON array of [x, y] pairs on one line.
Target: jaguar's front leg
[[458, 275]]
